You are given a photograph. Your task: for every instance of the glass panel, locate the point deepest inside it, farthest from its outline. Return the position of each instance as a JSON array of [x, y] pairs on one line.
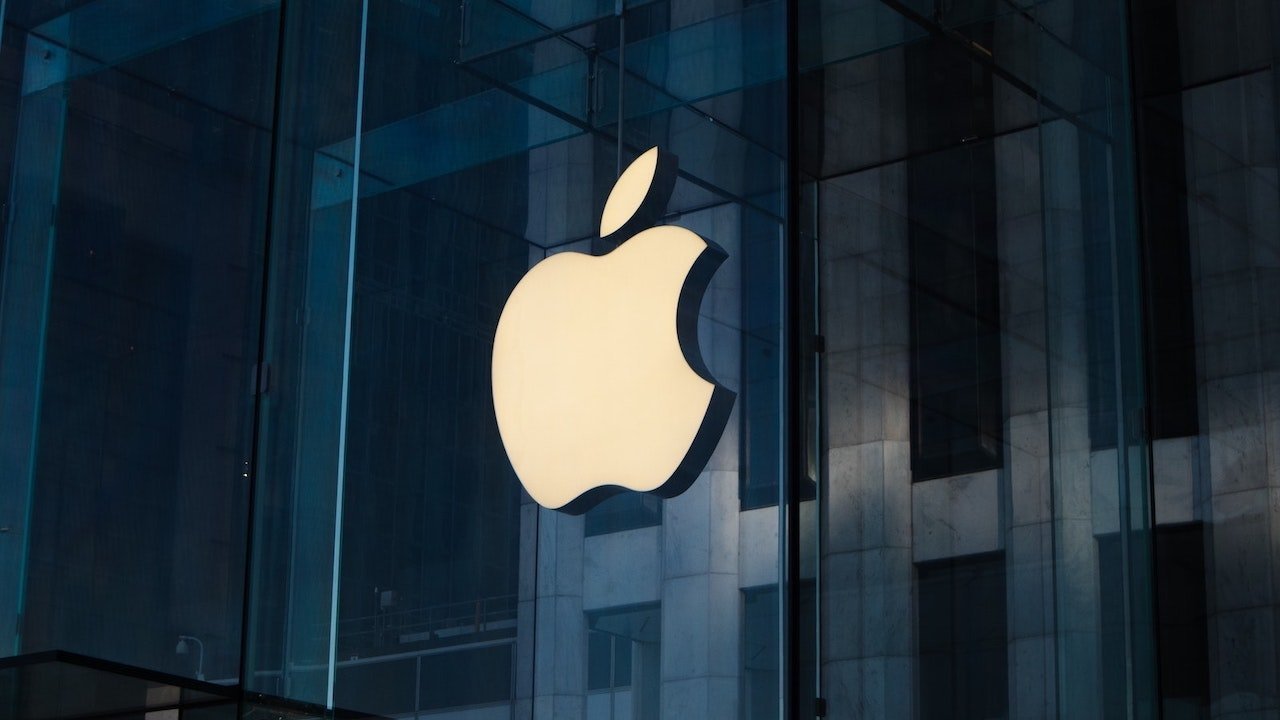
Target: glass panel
[[481, 676], [623, 656], [16, 399], [1035, 412], [760, 653], [983, 374], [963, 638], [955, 298], [130, 314], [390, 529], [1207, 110], [292, 633]]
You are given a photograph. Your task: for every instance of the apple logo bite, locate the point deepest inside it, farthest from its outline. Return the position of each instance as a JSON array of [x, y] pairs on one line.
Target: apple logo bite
[[598, 381]]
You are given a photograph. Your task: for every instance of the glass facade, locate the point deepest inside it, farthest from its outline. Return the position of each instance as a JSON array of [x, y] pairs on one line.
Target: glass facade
[[1001, 311]]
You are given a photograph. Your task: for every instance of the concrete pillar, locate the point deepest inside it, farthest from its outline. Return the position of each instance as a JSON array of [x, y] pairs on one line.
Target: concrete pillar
[[1231, 160], [1071, 461], [1026, 478], [559, 640], [867, 604], [701, 597]]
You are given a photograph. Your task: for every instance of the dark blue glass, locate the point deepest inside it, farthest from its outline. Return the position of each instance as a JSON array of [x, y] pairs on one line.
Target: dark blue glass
[[984, 373], [132, 273], [428, 156]]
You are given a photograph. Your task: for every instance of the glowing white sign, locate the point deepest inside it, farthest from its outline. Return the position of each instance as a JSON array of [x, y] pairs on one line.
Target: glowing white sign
[[598, 382]]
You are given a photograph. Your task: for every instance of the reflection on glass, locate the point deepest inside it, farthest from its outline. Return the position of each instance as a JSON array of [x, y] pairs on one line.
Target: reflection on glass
[[760, 653], [984, 372], [130, 313], [397, 565], [963, 635]]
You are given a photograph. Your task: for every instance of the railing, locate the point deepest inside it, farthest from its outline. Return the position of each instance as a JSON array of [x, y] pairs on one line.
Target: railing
[[392, 631]]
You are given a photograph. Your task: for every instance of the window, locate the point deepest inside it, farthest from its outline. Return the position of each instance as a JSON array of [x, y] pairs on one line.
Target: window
[[1182, 624], [608, 661], [623, 663], [758, 674], [962, 634], [956, 394], [760, 400], [1166, 237]]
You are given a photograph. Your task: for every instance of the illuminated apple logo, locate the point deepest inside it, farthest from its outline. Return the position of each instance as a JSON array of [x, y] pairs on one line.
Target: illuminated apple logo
[[598, 382]]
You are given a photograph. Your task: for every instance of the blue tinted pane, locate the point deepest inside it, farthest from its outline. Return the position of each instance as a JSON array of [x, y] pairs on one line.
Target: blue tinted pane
[[372, 189], [292, 563], [131, 322], [760, 653], [599, 660], [979, 298], [482, 676]]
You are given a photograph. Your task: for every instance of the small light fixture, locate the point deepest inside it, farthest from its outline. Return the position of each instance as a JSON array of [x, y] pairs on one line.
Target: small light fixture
[[183, 647]]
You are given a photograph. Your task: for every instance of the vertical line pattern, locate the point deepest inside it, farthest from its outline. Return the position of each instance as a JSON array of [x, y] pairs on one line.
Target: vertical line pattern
[[346, 361]]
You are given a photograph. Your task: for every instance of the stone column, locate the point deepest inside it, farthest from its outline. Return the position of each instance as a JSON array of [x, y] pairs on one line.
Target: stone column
[[867, 603], [1070, 447], [553, 617], [701, 600], [1026, 486], [1231, 158]]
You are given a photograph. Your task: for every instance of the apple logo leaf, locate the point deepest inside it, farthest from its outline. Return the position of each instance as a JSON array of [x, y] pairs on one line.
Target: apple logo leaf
[[639, 195]]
